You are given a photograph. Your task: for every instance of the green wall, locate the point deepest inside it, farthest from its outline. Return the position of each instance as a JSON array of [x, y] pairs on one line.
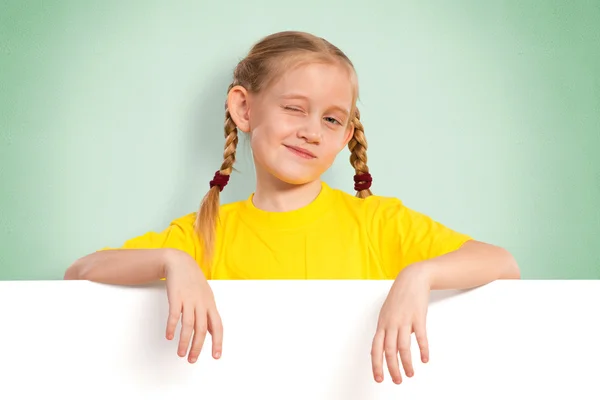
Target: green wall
[[484, 115]]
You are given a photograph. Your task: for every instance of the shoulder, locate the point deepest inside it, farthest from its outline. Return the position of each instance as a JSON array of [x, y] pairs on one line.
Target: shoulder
[[378, 215], [372, 206], [185, 221], [186, 224]]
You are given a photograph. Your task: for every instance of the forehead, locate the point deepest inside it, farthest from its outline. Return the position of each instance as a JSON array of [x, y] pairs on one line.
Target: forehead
[[317, 82]]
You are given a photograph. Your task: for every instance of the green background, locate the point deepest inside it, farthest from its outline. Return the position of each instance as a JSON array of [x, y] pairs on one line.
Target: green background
[[484, 115]]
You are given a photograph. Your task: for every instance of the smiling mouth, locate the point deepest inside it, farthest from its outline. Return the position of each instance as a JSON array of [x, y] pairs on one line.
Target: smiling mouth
[[300, 152]]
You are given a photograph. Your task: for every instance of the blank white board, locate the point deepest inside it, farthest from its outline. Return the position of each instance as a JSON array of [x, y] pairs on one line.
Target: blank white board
[[298, 340]]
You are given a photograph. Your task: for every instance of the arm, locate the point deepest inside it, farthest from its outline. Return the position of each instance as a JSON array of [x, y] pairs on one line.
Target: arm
[[142, 259], [473, 264], [122, 266], [447, 258], [431, 257], [191, 300], [405, 309]]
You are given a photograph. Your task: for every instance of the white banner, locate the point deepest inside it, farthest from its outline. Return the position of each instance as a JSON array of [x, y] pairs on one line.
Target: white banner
[[308, 340]]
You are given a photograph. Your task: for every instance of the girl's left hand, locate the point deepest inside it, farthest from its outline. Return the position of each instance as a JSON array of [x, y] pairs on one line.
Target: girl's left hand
[[403, 312]]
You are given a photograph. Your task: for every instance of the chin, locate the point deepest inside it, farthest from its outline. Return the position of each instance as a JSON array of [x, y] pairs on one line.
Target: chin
[[296, 177]]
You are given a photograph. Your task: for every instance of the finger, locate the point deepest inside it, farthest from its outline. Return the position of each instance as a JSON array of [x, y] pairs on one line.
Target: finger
[[404, 349], [215, 327], [173, 319], [187, 327], [421, 336], [377, 355], [390, 347], [200, 328]]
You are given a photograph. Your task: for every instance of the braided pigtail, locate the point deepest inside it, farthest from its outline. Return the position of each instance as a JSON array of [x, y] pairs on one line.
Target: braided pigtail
[[206, 218], [358, 159]]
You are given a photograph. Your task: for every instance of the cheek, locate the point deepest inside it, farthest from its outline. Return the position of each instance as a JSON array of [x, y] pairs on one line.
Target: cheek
[[274, 130], [336, 143], [283, 126], [263, 141], [257, 142]]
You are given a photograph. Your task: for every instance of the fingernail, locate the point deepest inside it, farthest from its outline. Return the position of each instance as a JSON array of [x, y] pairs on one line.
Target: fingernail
[[193, 360], [378, 378], [217, 354]]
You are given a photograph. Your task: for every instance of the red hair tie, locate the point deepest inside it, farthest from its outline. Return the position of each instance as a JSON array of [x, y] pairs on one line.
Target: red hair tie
[[362, 181], [219, 180]]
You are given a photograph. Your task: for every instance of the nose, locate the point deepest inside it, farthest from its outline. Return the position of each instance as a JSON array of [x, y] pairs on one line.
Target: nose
[[311, 131]]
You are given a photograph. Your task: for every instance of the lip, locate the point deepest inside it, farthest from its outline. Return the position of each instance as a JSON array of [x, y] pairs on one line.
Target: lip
[[300, 151]]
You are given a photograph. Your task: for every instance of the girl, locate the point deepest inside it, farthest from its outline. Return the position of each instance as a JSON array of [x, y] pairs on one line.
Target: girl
[[294, 97]]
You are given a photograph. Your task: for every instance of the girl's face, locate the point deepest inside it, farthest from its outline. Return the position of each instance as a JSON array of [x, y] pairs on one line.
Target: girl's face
[[299, 124]]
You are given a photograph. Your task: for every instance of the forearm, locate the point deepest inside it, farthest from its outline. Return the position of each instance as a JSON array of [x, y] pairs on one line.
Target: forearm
[[474, 264], [122, 266]]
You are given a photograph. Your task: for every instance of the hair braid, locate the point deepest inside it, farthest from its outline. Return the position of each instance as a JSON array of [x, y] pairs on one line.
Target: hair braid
[[206, 218], [358, 153]]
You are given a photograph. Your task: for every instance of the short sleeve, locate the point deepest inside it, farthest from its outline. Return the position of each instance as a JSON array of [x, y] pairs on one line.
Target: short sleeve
[[408, 236], [178, 235]]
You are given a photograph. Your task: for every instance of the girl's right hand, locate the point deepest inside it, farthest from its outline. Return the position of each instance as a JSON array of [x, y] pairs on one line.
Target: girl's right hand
[[191, 300]]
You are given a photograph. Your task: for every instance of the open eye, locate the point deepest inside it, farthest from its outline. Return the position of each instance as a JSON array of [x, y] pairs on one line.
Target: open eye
[[332, 120]]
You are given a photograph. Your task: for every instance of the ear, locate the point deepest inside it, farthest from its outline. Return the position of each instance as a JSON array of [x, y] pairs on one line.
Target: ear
[[237, 104], [349, 133]]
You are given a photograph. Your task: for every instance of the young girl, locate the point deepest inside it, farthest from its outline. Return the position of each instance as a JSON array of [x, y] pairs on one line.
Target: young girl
[[294, 97]]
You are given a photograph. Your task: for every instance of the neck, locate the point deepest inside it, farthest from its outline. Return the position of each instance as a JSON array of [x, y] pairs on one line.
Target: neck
[[275, 195]]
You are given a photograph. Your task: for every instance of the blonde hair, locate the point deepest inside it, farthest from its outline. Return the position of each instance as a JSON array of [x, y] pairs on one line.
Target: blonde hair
[[265, 62]]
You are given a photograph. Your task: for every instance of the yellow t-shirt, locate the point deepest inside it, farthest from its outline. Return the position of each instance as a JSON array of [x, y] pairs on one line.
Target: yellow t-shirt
[[337, 236]]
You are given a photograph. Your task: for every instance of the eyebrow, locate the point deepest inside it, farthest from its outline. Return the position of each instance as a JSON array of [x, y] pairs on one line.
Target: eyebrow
[[303, 97]]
